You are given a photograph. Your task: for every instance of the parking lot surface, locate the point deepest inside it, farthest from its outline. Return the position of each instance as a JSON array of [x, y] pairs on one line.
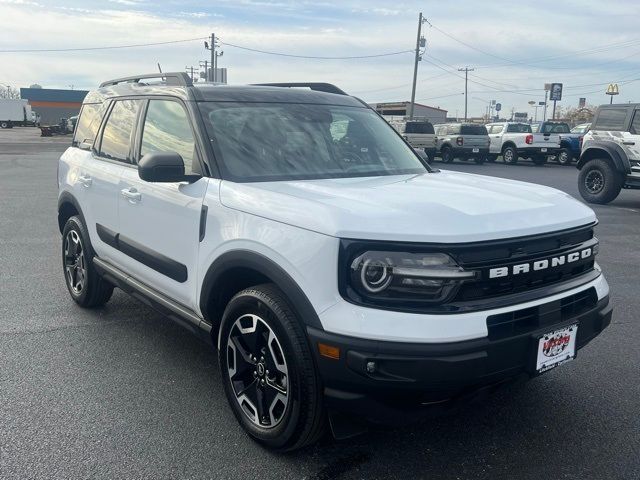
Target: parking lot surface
[[121, 392]]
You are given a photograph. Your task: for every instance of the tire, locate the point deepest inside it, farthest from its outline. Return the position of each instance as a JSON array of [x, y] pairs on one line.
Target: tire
[[564, 157], [293, 415], [85, 286], [4, 124], [446, 155], [599, 182], [510, 155], [480, 160], [539, 161]]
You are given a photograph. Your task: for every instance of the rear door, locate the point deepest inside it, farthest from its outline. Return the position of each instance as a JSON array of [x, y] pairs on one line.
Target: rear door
[[160, 222], [111, 156]]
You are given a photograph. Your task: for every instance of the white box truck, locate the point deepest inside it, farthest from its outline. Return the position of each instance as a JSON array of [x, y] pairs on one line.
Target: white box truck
[[15, 112]]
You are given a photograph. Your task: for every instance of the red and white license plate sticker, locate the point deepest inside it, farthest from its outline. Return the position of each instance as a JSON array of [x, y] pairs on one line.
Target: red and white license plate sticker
[[556, 348]]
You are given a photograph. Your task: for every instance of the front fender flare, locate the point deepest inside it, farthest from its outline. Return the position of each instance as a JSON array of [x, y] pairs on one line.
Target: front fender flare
[[613, 150]]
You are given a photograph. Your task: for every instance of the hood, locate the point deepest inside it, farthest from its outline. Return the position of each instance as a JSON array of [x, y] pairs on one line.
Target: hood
[[446, 207]]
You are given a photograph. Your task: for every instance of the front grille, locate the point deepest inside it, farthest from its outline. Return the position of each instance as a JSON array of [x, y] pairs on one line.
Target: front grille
[[518, 322], [528, 250]]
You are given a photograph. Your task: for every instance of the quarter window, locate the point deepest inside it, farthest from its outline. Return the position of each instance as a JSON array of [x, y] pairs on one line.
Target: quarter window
[[167, 129], [116, 136], [88, 124]]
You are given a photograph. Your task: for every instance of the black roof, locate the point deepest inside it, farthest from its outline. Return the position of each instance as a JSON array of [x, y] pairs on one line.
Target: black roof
[[223, 93]]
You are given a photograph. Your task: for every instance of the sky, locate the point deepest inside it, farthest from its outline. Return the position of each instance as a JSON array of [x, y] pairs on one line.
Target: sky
[[514, 47]]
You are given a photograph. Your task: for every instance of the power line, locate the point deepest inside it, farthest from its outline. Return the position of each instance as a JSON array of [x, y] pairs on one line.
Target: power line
[[315, 57], [84, 49]]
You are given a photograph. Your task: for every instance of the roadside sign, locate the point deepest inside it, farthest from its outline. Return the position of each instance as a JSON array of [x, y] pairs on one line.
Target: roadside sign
[[556, 92], [498, 107], [582, 102]]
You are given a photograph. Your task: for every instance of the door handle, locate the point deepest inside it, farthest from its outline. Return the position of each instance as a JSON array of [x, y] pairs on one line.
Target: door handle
[[85, 180], [131, 194], [628, 143]]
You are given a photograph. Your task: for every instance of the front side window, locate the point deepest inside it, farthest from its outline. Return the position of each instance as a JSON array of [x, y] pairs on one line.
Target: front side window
[[167, 129], [87, 125], [284, 141], [117, 133]]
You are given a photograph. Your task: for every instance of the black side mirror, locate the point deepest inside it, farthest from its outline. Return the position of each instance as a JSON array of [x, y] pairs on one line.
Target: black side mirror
[[162, 167]]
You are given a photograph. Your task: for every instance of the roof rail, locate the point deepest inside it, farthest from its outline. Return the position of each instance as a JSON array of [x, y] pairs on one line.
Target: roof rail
[[170, 78], [317, 86]]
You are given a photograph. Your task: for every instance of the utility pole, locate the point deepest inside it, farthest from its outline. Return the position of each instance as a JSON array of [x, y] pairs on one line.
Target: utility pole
[[466, 71], [420, 42], [190, 72], [205, 64], [211, 45]]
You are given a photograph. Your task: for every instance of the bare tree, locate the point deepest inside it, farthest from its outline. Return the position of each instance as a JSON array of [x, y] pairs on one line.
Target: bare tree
[[9, 92]]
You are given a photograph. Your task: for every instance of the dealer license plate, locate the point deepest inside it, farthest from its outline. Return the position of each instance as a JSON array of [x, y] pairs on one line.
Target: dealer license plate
[[543, 149], [556, 348], [476, 150]]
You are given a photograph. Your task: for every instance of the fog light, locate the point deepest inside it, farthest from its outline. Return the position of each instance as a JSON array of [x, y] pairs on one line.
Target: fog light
[[371, 367]]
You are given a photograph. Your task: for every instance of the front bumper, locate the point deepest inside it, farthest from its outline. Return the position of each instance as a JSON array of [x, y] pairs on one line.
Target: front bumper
[[407, 377]]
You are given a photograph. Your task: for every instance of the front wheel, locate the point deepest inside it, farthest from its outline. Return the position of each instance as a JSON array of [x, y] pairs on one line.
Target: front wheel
[[599, 182], [268, 371]]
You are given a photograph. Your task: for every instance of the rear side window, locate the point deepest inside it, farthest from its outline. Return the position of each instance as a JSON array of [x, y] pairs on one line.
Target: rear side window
[[117, 133], [519, 128], [496, 129], [453, 129], [167, 129], [473, 130], [419, 127], [87, 125], [610, 119], [635, 124]]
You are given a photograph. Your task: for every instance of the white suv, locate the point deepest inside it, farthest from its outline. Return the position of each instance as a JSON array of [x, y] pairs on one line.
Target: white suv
[[333, 269]]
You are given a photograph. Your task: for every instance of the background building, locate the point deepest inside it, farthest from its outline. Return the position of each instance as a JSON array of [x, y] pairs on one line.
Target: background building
[[53, 104], [401, 109]]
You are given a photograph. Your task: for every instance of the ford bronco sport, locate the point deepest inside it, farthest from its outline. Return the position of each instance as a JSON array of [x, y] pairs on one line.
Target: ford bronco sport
[[610, 158], [338, 275]]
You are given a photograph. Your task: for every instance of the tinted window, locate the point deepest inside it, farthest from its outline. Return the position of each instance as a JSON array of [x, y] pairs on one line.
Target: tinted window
[[167, 129], [610, 119], [116, 136], [283, 141], [555, 128], [635, 124], [87, 125], [473, 130], [519, 128], [419, 127]]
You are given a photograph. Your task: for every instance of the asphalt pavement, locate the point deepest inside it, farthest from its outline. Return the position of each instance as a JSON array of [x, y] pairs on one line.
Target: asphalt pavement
[[121, 392]]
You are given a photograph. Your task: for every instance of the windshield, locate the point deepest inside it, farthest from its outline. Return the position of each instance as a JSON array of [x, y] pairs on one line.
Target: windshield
[[256, 142], [580, 129], [555, 128]]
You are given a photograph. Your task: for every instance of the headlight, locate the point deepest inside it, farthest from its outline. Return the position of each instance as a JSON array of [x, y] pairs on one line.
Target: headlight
[[393, 277]]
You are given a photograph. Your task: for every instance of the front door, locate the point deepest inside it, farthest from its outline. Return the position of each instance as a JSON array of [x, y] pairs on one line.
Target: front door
[[160, 222]]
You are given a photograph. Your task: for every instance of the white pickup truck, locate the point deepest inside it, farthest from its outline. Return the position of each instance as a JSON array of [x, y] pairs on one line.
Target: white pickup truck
[[514, 140]]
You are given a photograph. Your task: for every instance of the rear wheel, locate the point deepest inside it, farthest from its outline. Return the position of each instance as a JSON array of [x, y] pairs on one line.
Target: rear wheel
[[4, 124], [268, 371], [599, 181], [447, 156], [510, 155], [85, 286], [564, 157]]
